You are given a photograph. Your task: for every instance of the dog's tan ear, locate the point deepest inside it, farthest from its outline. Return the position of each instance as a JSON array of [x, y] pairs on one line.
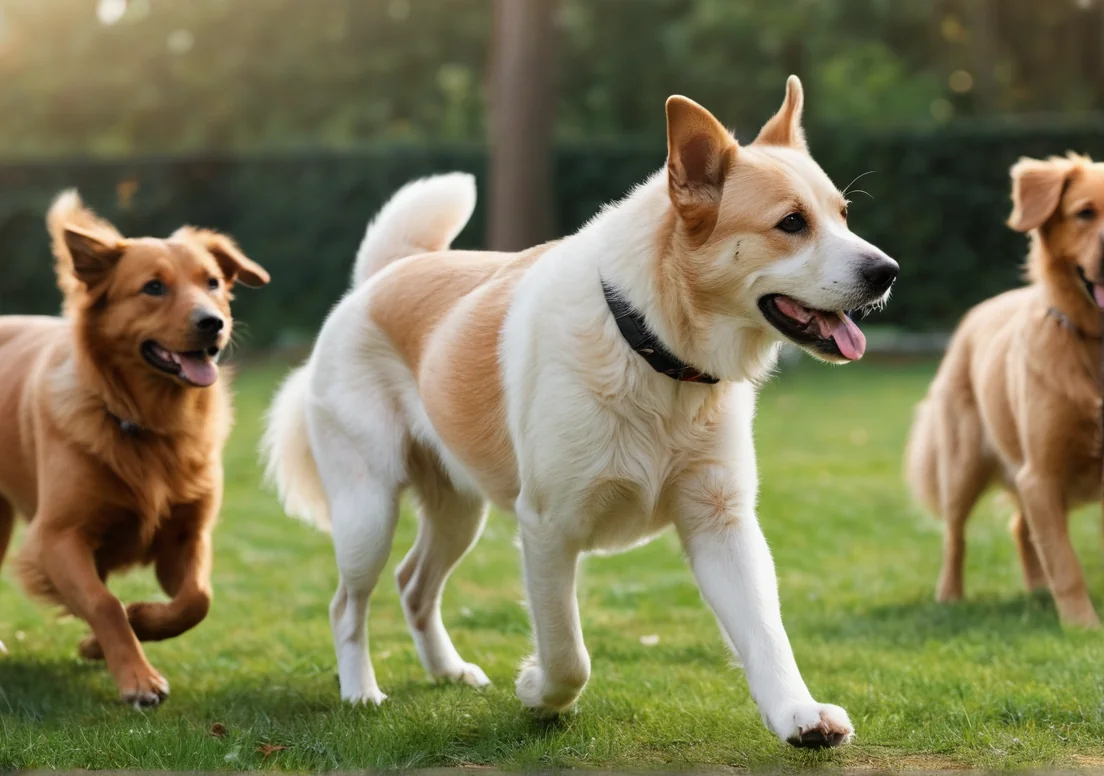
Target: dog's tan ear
[[93, 256], [236, 266], [784, 127], [1037, 187], [86, 247], [699, 151]]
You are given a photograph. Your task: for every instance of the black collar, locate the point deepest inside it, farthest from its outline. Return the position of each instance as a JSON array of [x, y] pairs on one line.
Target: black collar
[[643, 340], [129, 428]]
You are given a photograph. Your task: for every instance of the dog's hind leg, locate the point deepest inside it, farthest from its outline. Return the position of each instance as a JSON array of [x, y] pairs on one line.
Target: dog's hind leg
[[964, 473], [450, 521], [361, 463], [1033, 574], [7, 526], [364, 520]]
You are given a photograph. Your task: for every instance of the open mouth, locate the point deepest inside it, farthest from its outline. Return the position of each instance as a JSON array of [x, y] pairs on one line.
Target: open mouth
[[831, 334], [195, 367], [1095, 290]]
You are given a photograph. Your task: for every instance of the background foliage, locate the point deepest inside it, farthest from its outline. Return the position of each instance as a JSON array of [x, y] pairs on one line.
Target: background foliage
[[279, 74], [287, 122], [937, 201]]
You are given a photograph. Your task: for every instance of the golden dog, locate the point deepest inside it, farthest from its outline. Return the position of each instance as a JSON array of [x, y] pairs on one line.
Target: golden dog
[[1017, 398]]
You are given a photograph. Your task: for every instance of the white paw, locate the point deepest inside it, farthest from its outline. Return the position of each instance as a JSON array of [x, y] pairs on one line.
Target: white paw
[[544, 697], [370, 697], [813, 726], [465, 673]]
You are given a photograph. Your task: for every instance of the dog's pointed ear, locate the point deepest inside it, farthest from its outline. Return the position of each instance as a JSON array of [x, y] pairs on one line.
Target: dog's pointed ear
[[784, 127], [93, 256], [1037, 188], [235, 265], [699, 152]]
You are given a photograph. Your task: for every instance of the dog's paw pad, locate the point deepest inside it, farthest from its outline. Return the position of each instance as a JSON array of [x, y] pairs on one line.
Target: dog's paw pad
[[149, 694], [820, 727]]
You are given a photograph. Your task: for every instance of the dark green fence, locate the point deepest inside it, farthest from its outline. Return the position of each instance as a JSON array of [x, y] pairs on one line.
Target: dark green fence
[[938, 203]]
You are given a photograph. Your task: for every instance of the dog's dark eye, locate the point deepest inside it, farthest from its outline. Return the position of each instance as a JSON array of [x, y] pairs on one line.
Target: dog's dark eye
[[154, 288], [213, 284], [1086, 213], [793, 223]]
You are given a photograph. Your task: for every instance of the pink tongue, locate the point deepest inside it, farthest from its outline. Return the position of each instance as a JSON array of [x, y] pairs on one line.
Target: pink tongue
[[1098, 295], [197, 371], [849, 338]]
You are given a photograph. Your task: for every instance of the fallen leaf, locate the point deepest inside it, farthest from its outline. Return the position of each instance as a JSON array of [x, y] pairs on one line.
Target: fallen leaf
[[218, 730], [267, 749]]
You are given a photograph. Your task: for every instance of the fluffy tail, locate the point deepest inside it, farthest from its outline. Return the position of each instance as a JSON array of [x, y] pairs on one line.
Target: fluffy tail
[[422, 217], [290, 466], [921, 462]]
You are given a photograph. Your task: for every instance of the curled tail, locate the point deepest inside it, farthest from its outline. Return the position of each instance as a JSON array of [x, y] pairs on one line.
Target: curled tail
[[423, 216]]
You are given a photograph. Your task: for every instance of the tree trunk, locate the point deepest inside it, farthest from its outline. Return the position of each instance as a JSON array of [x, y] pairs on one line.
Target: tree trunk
[[523, 102]]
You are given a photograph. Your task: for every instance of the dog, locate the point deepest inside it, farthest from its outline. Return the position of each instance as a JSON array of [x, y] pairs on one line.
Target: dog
[[601, 386], [114, 422], [1016, 400]]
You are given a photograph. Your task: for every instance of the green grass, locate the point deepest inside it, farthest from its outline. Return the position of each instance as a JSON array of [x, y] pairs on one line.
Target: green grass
[[992, 682]]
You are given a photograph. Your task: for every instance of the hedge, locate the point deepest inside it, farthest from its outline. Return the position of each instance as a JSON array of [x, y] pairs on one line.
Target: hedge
[[938, 203]]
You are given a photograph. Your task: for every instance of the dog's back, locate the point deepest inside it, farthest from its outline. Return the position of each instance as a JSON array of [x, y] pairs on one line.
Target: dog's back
[[25, 343]]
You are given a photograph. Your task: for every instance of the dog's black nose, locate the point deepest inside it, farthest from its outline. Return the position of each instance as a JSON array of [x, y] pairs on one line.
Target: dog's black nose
[[879, 273], [209, 323]]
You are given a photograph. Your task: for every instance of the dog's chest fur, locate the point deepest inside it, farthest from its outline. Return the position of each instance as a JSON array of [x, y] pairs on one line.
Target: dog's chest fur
[[135, 476]]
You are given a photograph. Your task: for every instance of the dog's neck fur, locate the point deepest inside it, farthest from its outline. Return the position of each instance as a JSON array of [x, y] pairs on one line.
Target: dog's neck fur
[[1062, 287], [639, 263]]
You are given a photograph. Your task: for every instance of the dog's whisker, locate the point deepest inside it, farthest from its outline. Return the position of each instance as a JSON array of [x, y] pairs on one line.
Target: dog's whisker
[[847, 188]]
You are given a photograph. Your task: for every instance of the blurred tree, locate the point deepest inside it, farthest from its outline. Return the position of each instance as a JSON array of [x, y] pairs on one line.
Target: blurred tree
[[522, 111], [232, 75]]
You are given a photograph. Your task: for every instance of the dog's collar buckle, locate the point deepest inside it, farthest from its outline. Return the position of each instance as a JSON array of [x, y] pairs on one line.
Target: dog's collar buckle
[[643, 340], [1065, 322], [128, 427]]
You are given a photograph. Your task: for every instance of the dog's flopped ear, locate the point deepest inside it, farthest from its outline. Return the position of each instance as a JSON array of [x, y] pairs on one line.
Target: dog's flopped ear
[[93, 256], [1037, 188], [236, 266], [784, 127], [699, 151]]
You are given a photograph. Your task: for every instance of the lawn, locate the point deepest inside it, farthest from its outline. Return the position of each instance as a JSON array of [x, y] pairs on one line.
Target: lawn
[[991, 682]]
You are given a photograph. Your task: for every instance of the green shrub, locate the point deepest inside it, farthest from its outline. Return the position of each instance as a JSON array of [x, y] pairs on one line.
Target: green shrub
[[938, 203]]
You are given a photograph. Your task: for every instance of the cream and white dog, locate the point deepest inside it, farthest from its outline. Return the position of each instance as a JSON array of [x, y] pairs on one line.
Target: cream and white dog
[[601, 386]]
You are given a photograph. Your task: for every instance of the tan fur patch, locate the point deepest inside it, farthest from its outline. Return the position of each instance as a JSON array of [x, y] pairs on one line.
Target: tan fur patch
[[444, 313]]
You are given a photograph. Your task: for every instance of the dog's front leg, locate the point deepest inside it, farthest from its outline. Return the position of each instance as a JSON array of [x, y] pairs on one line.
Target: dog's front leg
[[1046, 515], [182, 560], [551, 680], [735, 572], [68, 563]]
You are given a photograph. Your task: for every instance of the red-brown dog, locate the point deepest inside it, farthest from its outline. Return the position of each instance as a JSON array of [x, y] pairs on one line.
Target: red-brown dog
[[113, 427]]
